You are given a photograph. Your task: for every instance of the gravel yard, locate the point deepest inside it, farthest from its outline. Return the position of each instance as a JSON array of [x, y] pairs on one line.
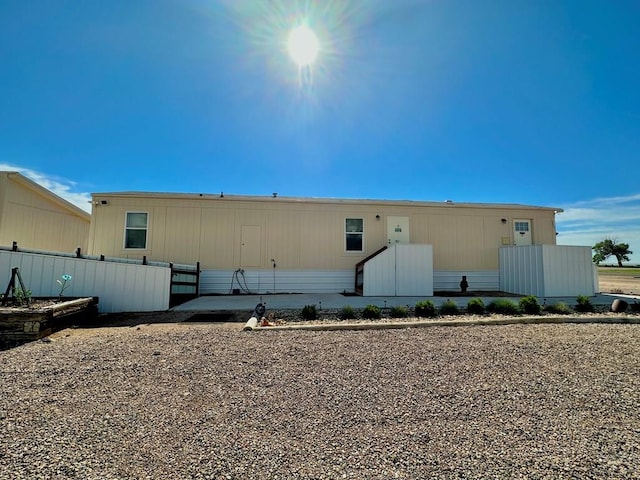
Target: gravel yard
[[196, 401]]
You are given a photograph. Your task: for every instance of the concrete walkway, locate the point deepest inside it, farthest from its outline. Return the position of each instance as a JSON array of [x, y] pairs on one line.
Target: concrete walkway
[[213, 303]]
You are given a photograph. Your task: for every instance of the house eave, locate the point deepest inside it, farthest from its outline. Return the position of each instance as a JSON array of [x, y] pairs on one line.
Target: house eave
[[314, 200]]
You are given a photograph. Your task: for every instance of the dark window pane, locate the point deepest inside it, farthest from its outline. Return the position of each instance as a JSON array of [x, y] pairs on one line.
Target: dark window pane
[[136, 239], [354, 242]]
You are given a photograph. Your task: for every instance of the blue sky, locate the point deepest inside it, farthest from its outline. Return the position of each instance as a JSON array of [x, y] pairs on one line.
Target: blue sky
[[534, 102]]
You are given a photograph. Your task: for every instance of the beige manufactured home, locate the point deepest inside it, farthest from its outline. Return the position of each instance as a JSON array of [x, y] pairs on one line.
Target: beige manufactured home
[[284, 244], [38, 219]]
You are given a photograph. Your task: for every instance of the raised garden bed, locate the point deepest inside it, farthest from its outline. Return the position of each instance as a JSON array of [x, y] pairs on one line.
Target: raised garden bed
[[21, 324]]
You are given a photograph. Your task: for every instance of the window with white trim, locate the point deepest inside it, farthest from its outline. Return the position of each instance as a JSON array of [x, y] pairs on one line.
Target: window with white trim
[[354, 234], [135, 231]]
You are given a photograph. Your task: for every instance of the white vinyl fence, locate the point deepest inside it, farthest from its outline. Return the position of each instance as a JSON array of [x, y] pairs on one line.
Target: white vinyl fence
[[401, 270], [548, 270], [121, 287]]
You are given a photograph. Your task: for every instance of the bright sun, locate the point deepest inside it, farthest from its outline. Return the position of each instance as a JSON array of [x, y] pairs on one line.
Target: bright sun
[[303, 45]]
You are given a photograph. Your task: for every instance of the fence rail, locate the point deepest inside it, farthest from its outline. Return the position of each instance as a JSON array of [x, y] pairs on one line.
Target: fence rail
[[78, 254], [122, 284]]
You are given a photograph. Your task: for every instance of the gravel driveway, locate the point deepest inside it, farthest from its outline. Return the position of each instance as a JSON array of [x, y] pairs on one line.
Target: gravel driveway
[[208, 401]]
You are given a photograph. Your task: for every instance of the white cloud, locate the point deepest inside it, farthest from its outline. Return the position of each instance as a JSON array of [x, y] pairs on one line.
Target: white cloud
[[590, 221], [62, 187]]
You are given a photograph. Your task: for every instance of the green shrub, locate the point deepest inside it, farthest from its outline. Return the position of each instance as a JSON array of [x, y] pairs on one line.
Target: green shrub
[[399, 312], [584, 304], [559, 308], [309, 312], [449, 308], [347, 313], [476, 306], [503, 306], [371, 312], [529, 305], [22, 296], [425, 308]]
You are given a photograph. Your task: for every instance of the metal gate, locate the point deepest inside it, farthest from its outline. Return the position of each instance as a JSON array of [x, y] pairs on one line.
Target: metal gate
[[185, 283]]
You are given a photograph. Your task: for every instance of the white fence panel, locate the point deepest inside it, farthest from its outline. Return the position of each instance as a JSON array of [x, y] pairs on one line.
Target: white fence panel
[[401, 270], [414, 270], [547, 270], [380, 274], [568, 270], [521, 270], [122, 287]]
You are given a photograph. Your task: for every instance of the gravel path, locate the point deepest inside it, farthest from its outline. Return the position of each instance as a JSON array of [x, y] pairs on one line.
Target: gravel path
[[211, 402]]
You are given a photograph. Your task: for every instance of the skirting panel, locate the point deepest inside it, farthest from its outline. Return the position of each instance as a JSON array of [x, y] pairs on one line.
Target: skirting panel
[[326, 281], [483, 281], [278, 281]]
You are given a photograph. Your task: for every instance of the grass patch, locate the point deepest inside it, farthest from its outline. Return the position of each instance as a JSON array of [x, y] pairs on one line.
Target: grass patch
[[625, 271]]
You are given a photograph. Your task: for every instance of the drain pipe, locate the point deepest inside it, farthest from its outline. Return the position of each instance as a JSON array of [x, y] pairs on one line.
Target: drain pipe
[[258, 312]]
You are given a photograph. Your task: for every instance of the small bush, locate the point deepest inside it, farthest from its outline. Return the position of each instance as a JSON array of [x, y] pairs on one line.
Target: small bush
[[347, 313], [584, 304], [529, 305], [425, 308], [309, 312], [634, 307], [399, 312], [476, 306], [559, 308], [22, 296], [449, 308], [504, 307], [371, 312]]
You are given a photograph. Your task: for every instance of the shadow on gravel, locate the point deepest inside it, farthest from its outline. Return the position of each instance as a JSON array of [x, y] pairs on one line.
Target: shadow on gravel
[[143, 318]]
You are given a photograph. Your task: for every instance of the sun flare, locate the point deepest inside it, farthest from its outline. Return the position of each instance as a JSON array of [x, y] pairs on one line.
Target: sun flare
[[303, 46]]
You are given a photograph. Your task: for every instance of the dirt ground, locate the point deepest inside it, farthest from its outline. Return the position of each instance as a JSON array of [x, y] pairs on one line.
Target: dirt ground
[[619, 284]]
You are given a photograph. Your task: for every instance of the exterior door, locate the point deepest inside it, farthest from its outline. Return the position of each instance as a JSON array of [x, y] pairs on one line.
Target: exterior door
[[397, 230], [250, 246], [522, 232]]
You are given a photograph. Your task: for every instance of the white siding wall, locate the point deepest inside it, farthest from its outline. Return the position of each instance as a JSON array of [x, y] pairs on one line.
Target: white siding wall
[[547, 270], [483, 281], [401, 270], [286, 281], [121, 287]]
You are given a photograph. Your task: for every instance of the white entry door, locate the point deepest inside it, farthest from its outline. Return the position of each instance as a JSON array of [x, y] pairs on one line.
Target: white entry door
[[397, 230], [522, 232], [251, 241]]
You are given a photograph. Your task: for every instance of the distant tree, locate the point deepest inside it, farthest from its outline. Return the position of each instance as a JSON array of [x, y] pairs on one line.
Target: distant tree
[[609, 247]]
